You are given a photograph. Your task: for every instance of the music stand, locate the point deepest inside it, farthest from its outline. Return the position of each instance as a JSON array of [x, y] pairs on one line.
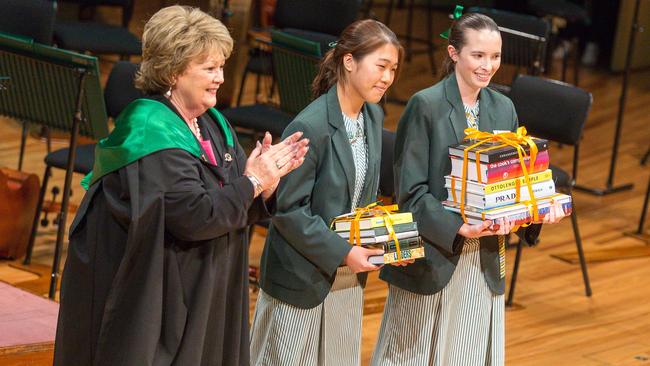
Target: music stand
[[609, 186], [58, 89]]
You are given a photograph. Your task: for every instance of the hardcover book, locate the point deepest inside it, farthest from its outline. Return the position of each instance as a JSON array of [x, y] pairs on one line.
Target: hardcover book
[[344, 222], [519, 212], [498, 171], [409, 248], [497, 154], [378, 231], [502, 198]]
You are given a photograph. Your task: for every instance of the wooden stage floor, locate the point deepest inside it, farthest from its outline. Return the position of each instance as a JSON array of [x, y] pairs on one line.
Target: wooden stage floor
[[552, 322]]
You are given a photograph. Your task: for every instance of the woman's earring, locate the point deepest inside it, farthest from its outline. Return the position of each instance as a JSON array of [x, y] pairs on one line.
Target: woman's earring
[[168, 93]]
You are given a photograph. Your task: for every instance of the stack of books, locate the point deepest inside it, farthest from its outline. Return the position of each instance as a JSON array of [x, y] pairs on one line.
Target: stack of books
[[374, 227], [495, 186]]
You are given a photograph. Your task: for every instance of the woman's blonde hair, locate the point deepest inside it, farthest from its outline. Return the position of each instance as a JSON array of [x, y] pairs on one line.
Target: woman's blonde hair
[[174, 37]]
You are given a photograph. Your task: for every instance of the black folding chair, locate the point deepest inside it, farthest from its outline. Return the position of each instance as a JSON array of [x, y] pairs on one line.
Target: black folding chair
[[555, 111], [320, 21], [33, 19], [295, 63], [87, 35]]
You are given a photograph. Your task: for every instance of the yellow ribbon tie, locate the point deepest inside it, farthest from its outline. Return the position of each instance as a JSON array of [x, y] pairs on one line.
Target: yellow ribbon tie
[[514, 139], [355, 230]]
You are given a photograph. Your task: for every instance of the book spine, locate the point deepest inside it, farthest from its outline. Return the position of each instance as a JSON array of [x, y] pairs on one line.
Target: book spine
[[513, 171], [374, 222], [413, 253], [541, 156], [496, 172], [479, 188], [540, 190], [503, 198], [385, 238], [497, 154], [520, 181], [512, 153], [525, 217], [411, 242]]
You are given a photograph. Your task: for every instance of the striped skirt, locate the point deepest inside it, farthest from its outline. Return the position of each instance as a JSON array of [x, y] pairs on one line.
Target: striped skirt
[[327, 335], [461, 325]]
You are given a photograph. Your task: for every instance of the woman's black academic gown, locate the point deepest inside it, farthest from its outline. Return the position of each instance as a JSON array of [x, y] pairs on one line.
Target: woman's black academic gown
[[157, 269]]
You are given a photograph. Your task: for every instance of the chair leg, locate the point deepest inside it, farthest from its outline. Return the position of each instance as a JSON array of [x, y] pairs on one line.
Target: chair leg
[[565, 62], [241, 87], [576, 61], [37, 215], [515, 271], [581, 254], [23, 141], [257, 86], [272, 89]]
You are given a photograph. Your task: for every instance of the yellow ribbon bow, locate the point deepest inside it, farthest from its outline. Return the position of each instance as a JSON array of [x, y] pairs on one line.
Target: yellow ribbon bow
[[374, 209], [517, 140]]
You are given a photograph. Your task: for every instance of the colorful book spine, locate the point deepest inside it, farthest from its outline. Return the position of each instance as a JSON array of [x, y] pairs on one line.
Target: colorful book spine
[[481, 188], [498, 199], [520, 212], [385, 238], [387, 258], [496, 172], [373, 222], [378, 231], [496, 154]]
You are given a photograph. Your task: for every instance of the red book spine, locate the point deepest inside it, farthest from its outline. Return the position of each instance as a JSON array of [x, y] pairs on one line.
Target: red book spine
[[511, 168]]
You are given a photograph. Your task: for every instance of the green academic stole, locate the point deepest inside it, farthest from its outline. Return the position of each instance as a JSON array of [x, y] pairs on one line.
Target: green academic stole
[[145, 127]]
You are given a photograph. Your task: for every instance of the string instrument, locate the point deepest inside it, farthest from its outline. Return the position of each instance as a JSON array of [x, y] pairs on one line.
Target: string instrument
[[18, 200]]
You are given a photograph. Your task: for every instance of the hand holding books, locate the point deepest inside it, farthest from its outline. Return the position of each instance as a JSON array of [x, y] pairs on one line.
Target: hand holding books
[[358, 259], [555, 214], [487, 228], [501, 181], [392, 235]]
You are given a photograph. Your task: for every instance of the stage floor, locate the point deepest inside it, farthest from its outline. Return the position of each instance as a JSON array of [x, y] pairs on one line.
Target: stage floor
[[552, 322]]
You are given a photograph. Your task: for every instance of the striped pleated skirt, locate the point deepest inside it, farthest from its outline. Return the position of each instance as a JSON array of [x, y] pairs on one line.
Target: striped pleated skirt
[[327, 335], [461, 325]]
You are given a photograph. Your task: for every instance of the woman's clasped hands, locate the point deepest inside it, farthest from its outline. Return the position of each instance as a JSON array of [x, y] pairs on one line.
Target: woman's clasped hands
[[267, 163]]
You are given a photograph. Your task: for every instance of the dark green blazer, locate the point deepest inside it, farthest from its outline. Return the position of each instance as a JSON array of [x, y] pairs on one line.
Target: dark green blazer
[[302, 254], [434, 119]]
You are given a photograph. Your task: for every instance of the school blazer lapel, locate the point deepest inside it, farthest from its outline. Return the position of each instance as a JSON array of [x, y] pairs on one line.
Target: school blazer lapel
[[486, 112], [456, 111], [457, 117], [374, 151], [340, 142]]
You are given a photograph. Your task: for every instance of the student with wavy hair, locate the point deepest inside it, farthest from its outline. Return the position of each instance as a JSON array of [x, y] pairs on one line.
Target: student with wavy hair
[[311, 300], [448, 308]]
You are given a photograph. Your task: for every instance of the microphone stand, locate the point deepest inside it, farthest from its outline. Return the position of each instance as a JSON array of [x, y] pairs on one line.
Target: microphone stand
[[610, 188]]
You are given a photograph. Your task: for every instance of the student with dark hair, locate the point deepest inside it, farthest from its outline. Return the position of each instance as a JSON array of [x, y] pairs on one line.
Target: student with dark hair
[[448, 308], [311, 301]]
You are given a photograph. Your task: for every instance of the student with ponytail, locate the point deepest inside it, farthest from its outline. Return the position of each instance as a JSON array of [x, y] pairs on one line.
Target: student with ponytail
[[309, 308], [448, 308]]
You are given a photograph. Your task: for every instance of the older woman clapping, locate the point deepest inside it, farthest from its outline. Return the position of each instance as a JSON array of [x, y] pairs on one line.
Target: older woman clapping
[[157, 268]]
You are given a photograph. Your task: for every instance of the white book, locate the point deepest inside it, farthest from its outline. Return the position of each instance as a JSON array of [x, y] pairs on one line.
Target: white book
[[503, 198], [519, 212], [382, 238]]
